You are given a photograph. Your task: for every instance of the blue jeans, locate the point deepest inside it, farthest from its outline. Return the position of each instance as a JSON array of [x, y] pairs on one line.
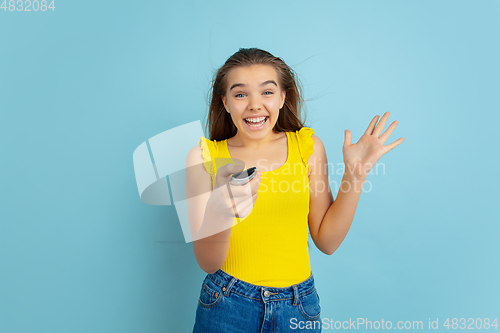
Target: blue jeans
[[230, 305]]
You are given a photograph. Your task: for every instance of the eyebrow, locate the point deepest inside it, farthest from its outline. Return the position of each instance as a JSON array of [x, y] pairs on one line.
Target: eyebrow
[[244, 85]]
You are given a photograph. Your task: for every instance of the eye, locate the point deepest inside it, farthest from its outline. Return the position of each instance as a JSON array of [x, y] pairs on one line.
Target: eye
[[270, 92], [240, 95]]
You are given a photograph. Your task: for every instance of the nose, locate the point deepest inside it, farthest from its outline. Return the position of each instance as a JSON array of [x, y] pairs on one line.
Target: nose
[[254, 103]]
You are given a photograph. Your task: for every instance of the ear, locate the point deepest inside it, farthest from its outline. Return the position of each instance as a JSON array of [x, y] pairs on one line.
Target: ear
[[282, 101], [224, 101]]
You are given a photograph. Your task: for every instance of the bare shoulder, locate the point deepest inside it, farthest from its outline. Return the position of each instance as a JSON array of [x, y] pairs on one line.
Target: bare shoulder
[[318, 157], [319, 147], [198, 178], [194, 156]]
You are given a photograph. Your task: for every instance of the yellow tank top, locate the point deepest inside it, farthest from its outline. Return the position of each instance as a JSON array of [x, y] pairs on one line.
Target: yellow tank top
[[269, 246]]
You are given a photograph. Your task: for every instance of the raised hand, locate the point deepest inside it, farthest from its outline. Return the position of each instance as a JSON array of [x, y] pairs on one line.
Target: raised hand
[[359, 158]]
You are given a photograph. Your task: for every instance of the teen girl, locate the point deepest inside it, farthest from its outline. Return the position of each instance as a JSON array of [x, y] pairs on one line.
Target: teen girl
[[251, 240]]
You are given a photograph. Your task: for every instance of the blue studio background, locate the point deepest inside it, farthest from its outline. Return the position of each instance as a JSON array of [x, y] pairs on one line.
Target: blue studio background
[[83, 85]]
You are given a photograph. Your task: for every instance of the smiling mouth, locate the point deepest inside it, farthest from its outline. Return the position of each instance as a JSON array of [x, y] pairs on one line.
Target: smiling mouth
[[253, 124]]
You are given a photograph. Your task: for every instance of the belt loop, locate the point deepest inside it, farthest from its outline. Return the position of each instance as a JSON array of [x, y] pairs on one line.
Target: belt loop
[[227, 289], [295, 295]]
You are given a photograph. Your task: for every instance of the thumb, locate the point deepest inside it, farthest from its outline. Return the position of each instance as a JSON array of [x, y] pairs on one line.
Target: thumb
[[230, 169], [224, 173], [237, 167], [347, 138]]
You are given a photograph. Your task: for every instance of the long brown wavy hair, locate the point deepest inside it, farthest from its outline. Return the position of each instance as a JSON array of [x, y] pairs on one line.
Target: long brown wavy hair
[[219, 123]]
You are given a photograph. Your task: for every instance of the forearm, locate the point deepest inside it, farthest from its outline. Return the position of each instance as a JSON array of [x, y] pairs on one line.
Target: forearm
[[339, 216], [211, 251]]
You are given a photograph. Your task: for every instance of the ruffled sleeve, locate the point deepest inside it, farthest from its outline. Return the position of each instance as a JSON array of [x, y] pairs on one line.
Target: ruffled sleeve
[[208, 150], [306, 144]]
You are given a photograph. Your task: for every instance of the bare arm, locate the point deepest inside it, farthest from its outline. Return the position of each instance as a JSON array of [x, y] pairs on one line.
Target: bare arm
[[335, 225], [211, 251], [211, 213], [330, 221]]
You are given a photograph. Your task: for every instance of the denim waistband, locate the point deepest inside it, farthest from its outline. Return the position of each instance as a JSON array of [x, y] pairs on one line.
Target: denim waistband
[[229, 283]]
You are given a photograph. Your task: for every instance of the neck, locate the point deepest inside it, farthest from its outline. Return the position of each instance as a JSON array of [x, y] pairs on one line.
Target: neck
[[240, 140]]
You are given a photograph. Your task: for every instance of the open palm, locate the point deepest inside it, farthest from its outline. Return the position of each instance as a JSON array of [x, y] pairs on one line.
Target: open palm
[[359, 158]]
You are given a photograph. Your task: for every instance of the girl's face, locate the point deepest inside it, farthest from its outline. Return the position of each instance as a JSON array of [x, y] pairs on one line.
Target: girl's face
[[253, 98]]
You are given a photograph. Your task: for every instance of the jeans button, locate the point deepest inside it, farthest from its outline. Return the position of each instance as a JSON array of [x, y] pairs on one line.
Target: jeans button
[[267, 293]]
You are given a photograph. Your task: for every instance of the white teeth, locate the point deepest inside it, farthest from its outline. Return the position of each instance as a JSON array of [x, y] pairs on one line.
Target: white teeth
[[257, 123], [255, 120]]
